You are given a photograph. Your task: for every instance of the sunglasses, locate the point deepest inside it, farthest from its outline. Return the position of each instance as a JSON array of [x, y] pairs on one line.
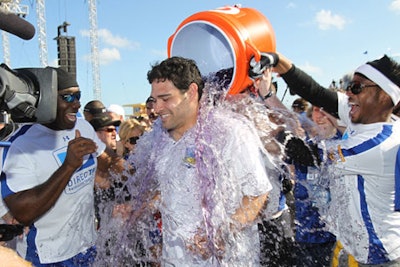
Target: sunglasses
[[109, 130], [357, 87], [70, 98], [133, 140]]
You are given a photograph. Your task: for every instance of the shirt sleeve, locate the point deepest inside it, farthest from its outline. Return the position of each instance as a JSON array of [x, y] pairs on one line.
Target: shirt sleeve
[[18, 174], [248, 161]]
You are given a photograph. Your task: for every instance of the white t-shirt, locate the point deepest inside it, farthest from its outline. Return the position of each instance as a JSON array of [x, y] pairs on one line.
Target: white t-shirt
[[362, 212], [68, 227], [203, 178]]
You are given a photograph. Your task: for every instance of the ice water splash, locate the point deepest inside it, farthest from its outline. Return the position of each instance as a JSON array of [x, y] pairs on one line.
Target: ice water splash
[[129, 232]]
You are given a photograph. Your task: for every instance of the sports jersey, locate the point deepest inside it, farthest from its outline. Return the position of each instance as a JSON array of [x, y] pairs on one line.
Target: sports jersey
[[67, 229], [362, 213], [203, 178]]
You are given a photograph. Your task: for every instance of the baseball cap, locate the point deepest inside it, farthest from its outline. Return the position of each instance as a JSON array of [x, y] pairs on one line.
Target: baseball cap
[[103, 120], [116, 109], [95, 107]]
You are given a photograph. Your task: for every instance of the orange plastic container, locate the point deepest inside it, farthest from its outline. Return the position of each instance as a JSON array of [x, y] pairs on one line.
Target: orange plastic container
[[224, 38]]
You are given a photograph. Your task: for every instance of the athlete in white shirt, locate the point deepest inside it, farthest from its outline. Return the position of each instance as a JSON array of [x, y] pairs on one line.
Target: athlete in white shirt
[[365, 207], [210, 167], [48, 180]]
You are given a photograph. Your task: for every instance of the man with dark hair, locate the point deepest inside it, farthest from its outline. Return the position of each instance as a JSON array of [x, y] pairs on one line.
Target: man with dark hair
[[48, 179], [209, 165], [364, 212]]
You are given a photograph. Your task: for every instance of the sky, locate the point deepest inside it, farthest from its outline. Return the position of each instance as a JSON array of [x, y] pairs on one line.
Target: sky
[[327, 39]]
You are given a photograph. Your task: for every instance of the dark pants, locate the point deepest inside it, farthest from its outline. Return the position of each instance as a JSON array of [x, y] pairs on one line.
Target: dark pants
[[314, 254], [276, 240]]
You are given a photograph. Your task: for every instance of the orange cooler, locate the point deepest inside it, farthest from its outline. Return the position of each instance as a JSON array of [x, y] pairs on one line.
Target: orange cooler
[[224, 38]]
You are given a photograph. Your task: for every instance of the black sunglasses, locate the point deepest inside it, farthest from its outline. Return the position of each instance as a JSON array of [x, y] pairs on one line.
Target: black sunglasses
[[70, 98], [357, 87], [133, 140], [109, 130]]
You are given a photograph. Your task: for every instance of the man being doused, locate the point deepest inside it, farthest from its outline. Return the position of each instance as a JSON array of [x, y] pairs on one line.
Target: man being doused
[[210, 169]]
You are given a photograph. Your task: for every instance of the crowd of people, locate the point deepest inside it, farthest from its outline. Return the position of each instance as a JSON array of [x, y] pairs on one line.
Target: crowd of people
[[212, 179]]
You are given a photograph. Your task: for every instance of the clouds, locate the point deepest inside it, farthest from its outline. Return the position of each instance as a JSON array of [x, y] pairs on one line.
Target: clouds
[[310, 69], [395, 6], [114, 40], [326, 20], [108, 55], [112, 45]]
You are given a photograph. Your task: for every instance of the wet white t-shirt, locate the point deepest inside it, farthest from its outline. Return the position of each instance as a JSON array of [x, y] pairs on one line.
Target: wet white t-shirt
[[203, 178]]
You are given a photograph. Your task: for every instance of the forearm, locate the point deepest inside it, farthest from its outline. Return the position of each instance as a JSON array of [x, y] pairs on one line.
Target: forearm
[[305, 86], [28, 205], [250, 209]]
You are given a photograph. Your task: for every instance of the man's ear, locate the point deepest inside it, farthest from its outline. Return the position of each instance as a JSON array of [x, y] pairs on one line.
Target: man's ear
[[193, 91]]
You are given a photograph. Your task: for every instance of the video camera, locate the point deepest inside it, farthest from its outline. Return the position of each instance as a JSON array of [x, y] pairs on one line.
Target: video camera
[[28, 94]]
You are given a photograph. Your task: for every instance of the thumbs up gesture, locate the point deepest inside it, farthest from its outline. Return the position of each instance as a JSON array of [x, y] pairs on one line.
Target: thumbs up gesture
[[78, 148]]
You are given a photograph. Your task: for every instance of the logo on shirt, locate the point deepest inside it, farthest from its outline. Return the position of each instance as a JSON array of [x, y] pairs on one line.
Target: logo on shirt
[[336, 156], [82, 176], [189, 159]]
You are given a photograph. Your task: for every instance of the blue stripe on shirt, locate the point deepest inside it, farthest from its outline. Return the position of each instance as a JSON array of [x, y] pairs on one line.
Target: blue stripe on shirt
[[370, 143], [5, 190], [377, 253], [397, 183]]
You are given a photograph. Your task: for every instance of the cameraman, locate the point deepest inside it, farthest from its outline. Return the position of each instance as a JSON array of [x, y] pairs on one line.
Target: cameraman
[[48, 180]]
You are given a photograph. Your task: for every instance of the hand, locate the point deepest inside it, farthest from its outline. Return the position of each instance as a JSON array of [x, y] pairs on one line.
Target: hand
[[77, 149], [298, 151], [199, 245], [267, 60], [263, 83]]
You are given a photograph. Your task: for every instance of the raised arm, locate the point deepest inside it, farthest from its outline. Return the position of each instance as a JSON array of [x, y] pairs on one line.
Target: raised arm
[[302, 84], [298, 81]]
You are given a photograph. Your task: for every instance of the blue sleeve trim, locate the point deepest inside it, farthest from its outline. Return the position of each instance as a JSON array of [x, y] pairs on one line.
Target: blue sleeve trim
[[397, 183]]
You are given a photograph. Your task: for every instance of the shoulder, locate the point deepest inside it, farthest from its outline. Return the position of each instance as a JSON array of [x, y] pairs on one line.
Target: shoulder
[[232, 125], [85, 128], [23, 133], [83, 125]]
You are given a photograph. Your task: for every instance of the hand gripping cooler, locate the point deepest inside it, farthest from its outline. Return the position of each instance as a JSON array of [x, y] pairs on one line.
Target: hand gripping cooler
[[224, 38]]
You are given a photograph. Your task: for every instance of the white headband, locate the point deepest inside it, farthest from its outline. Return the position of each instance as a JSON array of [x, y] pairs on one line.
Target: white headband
[[376, 76]]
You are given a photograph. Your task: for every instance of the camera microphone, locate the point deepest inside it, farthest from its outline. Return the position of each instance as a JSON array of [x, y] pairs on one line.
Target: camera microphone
[[15, 25]]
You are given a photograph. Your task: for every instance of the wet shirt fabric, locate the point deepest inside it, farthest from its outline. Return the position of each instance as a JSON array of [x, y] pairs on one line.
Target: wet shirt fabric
[[67, 229], [311, 194], [362, 213], [203, 178]]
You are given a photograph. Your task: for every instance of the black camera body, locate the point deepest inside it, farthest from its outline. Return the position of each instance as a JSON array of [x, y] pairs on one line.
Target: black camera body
[[28, 94]]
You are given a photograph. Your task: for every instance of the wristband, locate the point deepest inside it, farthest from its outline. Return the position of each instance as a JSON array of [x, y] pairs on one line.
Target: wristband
[[266, 96]]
